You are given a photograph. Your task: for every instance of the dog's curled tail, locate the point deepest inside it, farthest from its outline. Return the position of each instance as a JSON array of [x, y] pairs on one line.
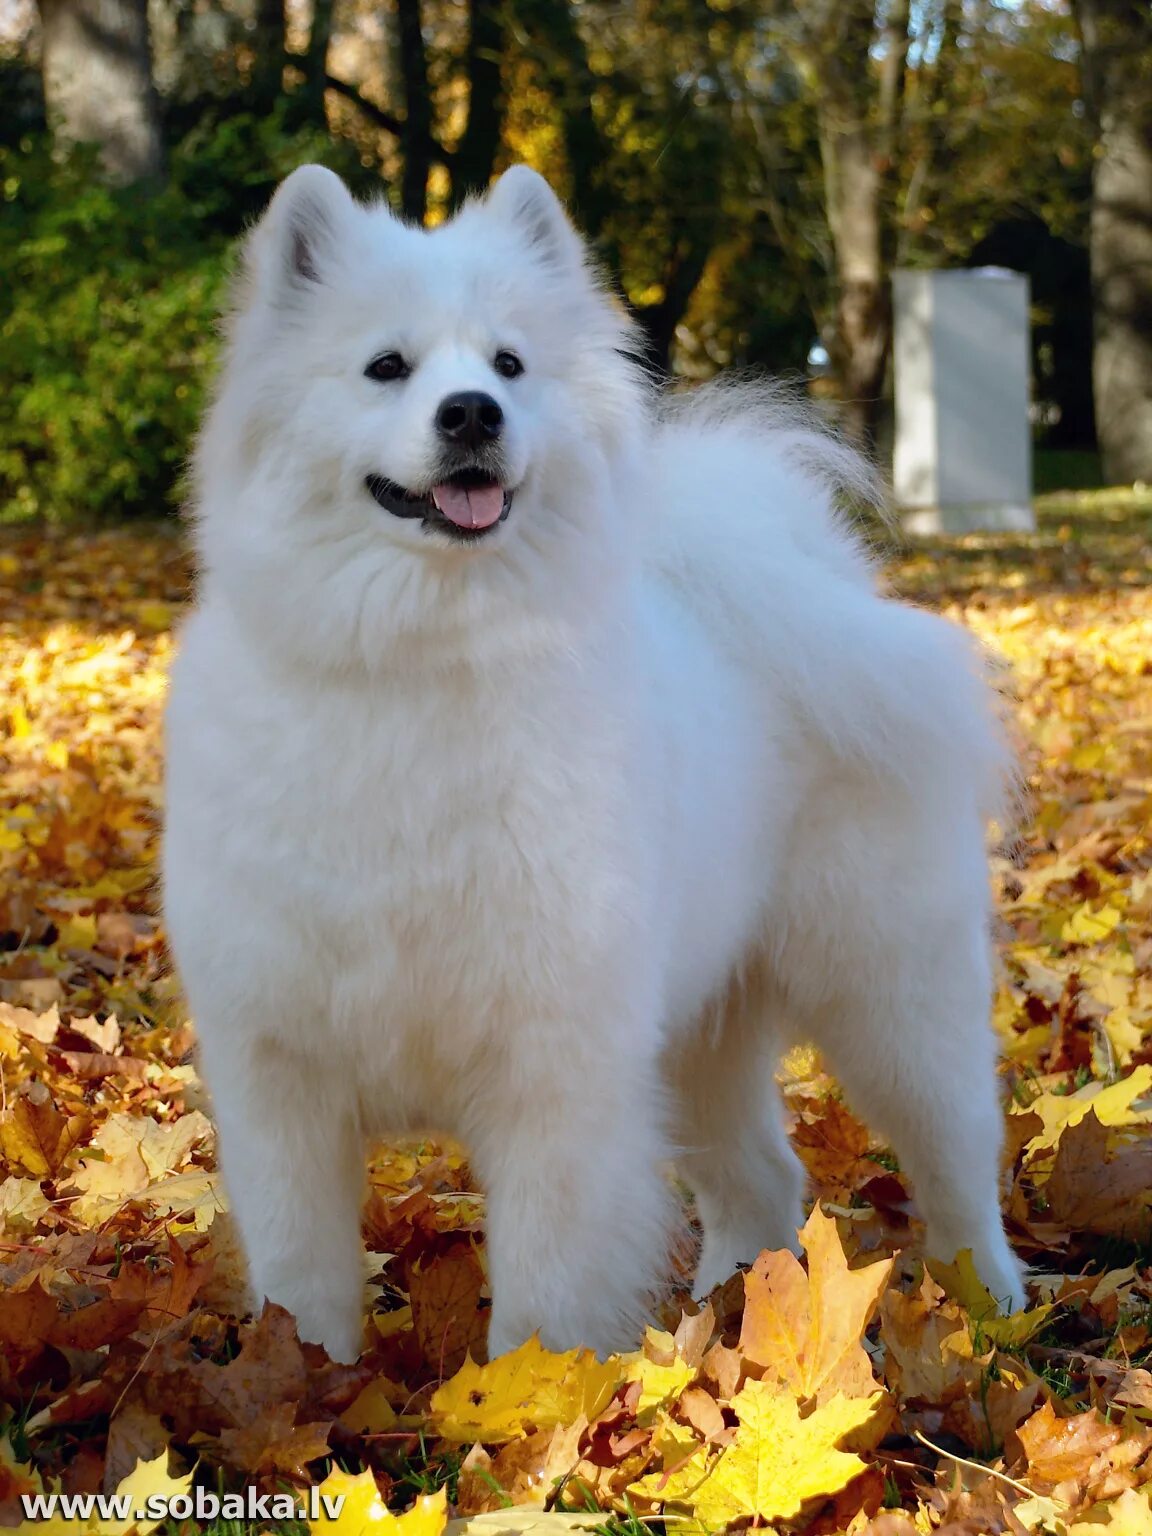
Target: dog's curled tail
[[759, 525]]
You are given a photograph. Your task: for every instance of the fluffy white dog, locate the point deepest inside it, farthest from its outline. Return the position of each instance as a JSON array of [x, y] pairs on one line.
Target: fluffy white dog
[[543, 759]]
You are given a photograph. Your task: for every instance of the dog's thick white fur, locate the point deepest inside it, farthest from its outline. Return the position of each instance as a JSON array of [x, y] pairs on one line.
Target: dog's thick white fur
[[554, 838]]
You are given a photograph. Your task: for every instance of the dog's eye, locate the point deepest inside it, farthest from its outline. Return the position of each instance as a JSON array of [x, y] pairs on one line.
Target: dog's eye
[[388, 366], [508, 365]]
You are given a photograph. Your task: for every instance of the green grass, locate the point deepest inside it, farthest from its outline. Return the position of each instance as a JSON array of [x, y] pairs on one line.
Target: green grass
[[234, 1527]]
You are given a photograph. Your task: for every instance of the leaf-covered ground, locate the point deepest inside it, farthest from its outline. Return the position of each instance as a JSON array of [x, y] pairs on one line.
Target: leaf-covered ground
[[851, 1392]]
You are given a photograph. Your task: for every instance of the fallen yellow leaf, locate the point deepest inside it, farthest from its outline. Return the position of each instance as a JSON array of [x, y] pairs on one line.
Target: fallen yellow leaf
[[526, 1387], [364, 1512]]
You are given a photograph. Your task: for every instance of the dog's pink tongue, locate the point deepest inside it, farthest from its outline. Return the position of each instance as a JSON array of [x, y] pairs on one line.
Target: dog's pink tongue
[[476, 506]]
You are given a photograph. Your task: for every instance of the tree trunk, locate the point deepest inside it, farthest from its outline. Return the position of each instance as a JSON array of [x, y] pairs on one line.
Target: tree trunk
[[97, 64], [863, 324], [270, 49], [556, 42], [858, 114], [418, 145], [316, 59], [1117, 39], [476, 153], [682, 274]]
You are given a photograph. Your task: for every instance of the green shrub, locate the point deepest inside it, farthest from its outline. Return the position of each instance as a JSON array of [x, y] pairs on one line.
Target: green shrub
[[108, 304]]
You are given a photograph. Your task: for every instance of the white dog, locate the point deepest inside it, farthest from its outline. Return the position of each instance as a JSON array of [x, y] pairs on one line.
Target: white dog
[[542, 759]]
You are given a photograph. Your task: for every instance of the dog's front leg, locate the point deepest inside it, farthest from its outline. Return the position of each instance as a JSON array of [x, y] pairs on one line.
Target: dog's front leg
[[569, 1144], [293, 1165]]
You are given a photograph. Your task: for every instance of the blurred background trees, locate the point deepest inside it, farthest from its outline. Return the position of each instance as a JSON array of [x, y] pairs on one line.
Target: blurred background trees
[[750, 173]]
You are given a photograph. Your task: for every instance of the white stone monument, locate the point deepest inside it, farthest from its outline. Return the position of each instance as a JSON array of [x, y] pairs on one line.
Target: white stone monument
[[963, 451]]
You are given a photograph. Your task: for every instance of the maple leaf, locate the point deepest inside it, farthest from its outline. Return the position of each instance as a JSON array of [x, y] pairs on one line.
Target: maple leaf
[[446, 1312], [23, 1204], [130, 1155], [149, 1479], [660, 1373], [1081, 1455], [1129, 1515], [1101, 1180], [269, 1369], [15, 1479], [834, 1146], [373, 1412], [40, 1026], [702, 1411], [164, 1289], [1115, 1104], [364, 1513], [961, 1281], [134, 1435], [274, 1444], [27, 1317], [526, 1388], [777, 1460], [928, 1345], [35, 1136], [805, 1330], [104, 1036]]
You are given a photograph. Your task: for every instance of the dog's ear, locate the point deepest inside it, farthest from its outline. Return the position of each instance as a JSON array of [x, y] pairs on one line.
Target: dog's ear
[[297, 242], [522, 196]]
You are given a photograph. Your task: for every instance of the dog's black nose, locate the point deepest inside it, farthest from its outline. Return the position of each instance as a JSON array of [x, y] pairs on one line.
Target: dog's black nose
[[471, 418]]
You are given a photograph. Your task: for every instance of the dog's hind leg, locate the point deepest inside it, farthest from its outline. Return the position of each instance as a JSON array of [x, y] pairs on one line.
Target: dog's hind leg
[[891, 978], [735, 1155]]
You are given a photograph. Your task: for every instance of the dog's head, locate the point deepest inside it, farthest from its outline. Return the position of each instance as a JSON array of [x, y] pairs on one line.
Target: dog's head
[[456, 395]]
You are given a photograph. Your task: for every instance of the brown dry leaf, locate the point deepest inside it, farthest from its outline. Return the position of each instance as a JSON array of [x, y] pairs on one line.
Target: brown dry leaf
[[834, 1147], [273, 1444], [268, 1371], [27, 1317], [164, 1290], [134, 1435], [1134, 1389], [447, 1316], [1101, 1179]]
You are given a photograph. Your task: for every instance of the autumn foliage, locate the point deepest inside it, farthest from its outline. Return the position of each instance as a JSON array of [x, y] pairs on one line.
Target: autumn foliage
[[849, 1390]]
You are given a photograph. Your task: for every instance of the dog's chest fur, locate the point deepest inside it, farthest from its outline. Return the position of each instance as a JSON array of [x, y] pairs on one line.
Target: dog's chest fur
[[433, 855]]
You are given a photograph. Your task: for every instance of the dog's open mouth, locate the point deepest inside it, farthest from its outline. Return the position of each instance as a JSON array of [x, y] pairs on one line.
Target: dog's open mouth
[[467, 505]]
